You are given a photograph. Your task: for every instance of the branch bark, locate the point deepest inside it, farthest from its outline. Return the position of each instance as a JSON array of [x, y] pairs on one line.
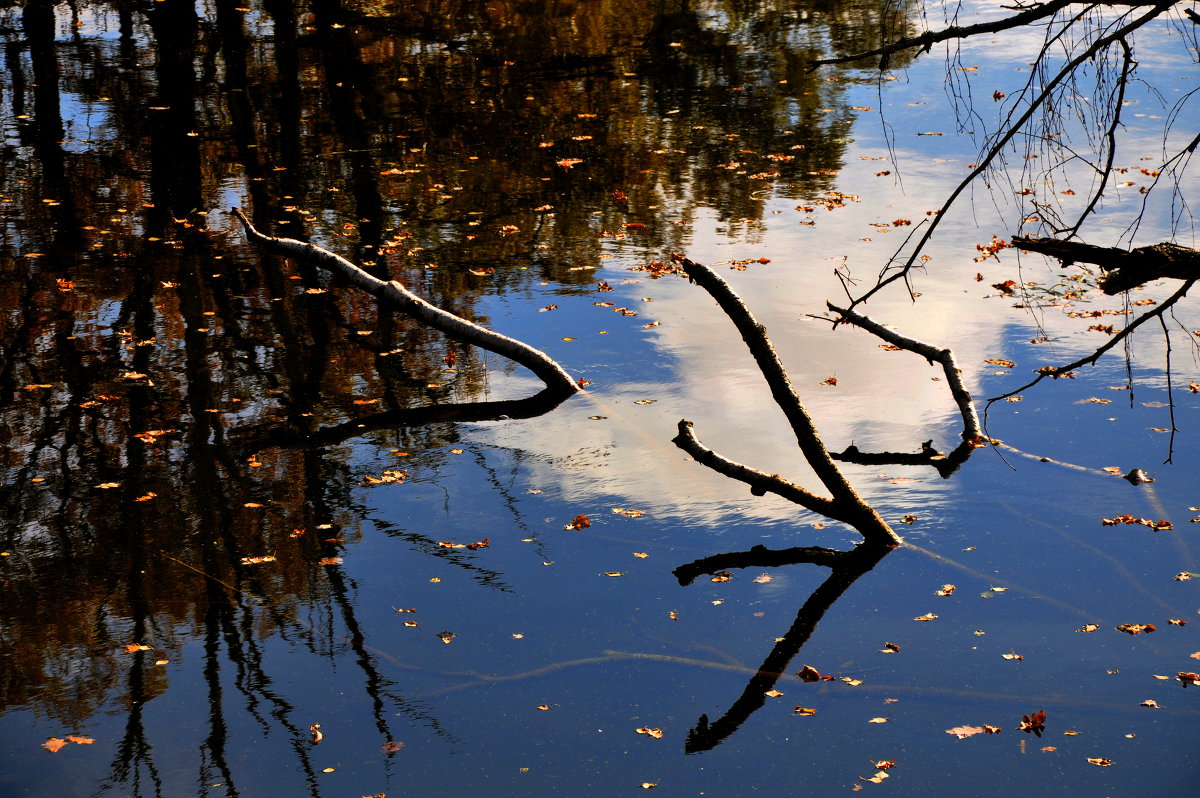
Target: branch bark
[[972, 431], [394, 293], [845, 505], [1124, 269]]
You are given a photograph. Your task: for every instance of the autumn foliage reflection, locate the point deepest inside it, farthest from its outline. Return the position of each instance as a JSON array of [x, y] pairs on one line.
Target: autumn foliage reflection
[[176, 414]]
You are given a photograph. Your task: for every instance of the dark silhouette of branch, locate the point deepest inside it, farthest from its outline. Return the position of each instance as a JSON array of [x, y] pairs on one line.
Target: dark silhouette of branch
[[944, 464], [1036, 104], [847, 568], [927, 40], [395, 295]]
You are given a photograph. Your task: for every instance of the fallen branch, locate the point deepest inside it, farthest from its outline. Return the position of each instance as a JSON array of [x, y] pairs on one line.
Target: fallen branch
[[394, 294], [1124, 269], [845, 504], [962, 397]]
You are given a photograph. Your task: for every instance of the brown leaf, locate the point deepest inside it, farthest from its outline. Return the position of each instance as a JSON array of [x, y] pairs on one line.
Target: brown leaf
[[810, 674], [580, 521], [1035, 723], [54, 744], [1100, 761], [805, 711], [391, 746]]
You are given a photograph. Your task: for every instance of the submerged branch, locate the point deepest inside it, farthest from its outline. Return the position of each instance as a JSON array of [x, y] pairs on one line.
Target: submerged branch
[[396, 295]]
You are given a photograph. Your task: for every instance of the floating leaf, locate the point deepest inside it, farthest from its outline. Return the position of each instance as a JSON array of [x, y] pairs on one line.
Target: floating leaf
[[1035, 723], [391, 746], [54, 744], [657, 734], [580, 521], [1100, 761], [805, 711], [929, 616], [963, 732]]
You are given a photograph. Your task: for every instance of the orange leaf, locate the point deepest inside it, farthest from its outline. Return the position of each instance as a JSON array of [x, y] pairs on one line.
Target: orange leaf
[[54, 744]]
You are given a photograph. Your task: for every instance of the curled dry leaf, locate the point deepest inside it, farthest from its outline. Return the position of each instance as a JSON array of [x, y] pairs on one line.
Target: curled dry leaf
[[1136, 628], [656, 734], [946, 590], [1100, 761], [810, 674], [929, 616], [890, 648], [805, 711], [391, 746]]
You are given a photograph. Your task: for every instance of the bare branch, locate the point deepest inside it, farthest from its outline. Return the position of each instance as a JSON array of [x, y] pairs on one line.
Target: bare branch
[[1035, 106], [845, 505], [927, 40], [962, 397], [394, 293]]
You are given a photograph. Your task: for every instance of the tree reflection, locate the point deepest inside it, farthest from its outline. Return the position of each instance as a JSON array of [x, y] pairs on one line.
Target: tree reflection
[[172, 409]]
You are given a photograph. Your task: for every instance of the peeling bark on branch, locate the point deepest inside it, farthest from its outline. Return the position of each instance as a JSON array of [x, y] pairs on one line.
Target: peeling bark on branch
[[394, 294], [1124, 269]]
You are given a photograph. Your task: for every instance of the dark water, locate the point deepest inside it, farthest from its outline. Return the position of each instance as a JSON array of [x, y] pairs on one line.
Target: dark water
[[230, 480]]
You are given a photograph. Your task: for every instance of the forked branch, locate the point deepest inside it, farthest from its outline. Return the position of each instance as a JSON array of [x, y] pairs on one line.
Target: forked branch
[[845, 504]]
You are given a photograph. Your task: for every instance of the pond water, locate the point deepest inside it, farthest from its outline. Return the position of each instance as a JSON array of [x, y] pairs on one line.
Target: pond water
[[241, 503]]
